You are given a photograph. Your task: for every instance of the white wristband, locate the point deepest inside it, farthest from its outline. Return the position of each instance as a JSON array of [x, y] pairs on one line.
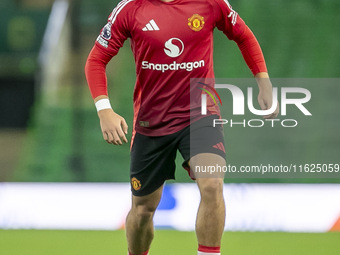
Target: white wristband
[[103, 104]]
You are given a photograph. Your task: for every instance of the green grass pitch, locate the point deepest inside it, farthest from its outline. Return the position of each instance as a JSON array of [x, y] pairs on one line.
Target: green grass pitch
[[166, 242]]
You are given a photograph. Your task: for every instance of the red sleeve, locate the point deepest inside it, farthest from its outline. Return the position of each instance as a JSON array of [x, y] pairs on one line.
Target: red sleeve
[[233, 26], [228, 20], [108, 43], [95, 71], [251, 51]]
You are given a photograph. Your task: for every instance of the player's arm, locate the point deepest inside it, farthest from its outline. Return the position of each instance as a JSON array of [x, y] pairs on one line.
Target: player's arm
[[113, 126], [253, 56], [265, 97], [235, 29], [110, 40]]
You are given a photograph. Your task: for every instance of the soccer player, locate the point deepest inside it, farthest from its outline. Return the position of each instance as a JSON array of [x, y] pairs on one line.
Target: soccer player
[[172, 42]]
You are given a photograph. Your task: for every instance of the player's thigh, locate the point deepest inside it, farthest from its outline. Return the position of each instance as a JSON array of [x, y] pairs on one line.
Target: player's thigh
[[147, 203], [210, 182], [208, 166], [203, 146]]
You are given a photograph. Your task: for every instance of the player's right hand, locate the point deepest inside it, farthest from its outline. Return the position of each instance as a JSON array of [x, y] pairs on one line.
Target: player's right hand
[[113, 126]]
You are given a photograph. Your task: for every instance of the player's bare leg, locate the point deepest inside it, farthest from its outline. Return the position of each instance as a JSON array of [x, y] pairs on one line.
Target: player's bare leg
[[139, 222], [211, 213]]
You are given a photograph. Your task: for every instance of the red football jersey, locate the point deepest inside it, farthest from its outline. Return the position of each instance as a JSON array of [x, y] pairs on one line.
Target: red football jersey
[[171, 43]]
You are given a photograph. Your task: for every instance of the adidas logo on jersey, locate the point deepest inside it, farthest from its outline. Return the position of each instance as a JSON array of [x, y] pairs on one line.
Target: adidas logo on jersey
[[151, 26]]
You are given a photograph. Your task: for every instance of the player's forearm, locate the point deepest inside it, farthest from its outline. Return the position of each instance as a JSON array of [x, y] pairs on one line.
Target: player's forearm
[[251, 52], [102, 102], [95, 72], [263, 80], [263, 75], [100, 97]]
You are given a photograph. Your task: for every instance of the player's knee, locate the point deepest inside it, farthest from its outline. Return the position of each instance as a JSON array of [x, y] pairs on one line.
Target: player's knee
[[211, 189], [144, 213]]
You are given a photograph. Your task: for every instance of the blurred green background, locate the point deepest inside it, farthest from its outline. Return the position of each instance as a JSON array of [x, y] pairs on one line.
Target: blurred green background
[[49, 130]]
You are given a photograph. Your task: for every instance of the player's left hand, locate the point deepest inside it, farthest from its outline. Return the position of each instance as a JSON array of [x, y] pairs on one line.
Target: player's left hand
[[265, 97]]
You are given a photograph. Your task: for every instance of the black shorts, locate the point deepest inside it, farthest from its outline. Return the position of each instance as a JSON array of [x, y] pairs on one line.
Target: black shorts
[[153, 157]]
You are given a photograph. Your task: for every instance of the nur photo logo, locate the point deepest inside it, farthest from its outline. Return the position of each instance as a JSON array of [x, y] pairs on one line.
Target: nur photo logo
[[295, 98]]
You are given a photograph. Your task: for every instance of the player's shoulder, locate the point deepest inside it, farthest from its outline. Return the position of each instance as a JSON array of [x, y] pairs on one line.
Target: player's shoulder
[[219, 3], [126, 4], [129, 4], [124, 8]]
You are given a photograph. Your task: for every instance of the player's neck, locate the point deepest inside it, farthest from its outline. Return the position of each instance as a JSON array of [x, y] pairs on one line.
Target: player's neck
[[167, 1]]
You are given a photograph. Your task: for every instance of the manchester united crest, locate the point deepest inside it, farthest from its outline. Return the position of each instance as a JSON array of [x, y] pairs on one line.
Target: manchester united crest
[[196, 22], [135, 184]]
